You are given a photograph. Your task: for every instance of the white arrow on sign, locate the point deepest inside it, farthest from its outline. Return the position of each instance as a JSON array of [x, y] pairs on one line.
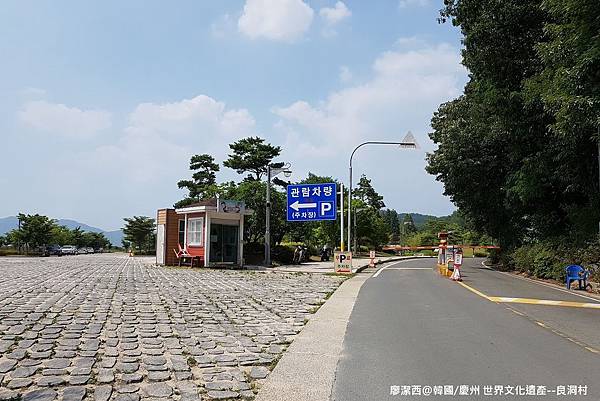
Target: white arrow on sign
[[297, 205]]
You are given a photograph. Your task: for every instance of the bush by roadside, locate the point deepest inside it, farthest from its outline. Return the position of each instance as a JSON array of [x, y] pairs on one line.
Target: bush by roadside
[[548, 259]]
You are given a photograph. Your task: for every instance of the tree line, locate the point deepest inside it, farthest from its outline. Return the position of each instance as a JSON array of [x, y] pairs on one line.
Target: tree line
[[250, 158], [36, 231], [518, 151], [373, 224]]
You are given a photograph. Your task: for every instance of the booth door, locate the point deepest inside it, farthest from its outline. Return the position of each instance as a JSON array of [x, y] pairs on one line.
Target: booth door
[[160, 245], [223, 243]]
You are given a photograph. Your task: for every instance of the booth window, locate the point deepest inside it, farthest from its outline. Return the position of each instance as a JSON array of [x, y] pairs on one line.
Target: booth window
[[195, 231], [181, 232]]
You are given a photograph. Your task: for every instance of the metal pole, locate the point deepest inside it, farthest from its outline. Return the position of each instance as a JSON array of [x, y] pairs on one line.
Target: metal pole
[[355, 234], [406, 144], [268, 220], [598, 141], [342, 217], [350, 203]]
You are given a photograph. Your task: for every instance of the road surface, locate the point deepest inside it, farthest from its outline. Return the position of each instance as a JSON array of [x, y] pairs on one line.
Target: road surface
[[412, 327]]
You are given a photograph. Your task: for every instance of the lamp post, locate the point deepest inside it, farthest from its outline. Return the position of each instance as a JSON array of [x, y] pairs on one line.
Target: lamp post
[[272, 172], [409, 142]]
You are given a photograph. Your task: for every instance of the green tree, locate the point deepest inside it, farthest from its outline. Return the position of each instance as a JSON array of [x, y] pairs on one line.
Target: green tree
[[569, 89], [251, 155], [35, 231], [253, 194], [203, 182], [140, 232], [390, 216], [61, 235], [500, 186], [77, 237], [3, 240], [367, 194]]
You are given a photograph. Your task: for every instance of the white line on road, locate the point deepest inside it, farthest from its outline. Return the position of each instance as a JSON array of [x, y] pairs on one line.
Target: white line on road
[[378, 272], [539, 283]]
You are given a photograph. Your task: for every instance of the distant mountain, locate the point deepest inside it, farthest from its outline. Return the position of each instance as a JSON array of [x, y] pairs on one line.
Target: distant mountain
[[420, 219], [115, 237], [7, 224]]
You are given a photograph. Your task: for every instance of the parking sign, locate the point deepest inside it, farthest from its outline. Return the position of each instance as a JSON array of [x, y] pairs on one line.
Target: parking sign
[[311, 202]]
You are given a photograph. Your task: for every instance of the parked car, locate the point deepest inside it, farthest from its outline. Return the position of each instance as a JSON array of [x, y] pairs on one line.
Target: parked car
[[53, 250], [98, 250], [89, 250], [69, 250], [81, 251]]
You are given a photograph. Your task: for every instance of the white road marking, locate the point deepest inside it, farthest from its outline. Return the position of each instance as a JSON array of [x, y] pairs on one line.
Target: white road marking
[[540, 283], [378, 272]]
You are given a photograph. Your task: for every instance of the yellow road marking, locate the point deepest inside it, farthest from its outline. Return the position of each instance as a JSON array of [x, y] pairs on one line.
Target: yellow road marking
[[538, 302], [481, 294], [544, 302], [532, 301]]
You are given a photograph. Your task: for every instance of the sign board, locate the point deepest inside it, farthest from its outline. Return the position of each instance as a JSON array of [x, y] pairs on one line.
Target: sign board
[[311, 202], [342, 262], [372, 258], [458, 259], [230, 206]]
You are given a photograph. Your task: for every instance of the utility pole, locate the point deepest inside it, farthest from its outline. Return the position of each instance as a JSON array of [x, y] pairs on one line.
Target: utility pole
[[268, 220], [341, 217], [271, 172]]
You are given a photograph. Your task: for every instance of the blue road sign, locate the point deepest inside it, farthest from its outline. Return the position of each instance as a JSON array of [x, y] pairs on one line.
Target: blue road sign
[[311, 202]]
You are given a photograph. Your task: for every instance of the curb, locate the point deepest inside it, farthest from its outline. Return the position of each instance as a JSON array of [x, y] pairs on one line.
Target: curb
[[307, 368]]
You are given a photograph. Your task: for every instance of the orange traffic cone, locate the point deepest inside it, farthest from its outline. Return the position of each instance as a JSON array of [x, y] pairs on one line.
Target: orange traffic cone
[[456, 274]]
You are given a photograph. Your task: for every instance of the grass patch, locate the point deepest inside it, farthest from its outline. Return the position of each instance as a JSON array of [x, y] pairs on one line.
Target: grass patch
[[345, 275]]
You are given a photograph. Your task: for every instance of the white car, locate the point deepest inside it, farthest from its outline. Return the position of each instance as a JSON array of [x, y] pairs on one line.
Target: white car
[[69, 250]]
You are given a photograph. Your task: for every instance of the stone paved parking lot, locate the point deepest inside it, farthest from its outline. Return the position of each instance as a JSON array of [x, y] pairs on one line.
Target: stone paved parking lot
[[106, 327]]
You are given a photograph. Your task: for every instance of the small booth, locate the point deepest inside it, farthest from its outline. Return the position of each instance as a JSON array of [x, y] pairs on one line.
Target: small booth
[[210, 232]]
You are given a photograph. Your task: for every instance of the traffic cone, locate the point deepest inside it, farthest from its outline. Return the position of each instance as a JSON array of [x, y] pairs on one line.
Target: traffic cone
[[456, 274]]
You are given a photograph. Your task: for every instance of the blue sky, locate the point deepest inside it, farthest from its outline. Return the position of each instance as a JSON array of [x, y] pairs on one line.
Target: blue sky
[[103, 103]]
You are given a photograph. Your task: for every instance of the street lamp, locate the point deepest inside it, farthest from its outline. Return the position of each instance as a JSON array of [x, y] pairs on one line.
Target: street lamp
[[272, 171], [408, 142]]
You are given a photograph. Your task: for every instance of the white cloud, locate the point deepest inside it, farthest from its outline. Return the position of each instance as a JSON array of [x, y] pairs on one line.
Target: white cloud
[[160, 138], [278, 20], [405, 89], [404, 83], [336, 14], [345, 74], [63, 120], [412, 3]]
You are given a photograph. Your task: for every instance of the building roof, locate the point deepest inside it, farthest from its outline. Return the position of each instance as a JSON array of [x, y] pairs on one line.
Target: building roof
[[203, 202]]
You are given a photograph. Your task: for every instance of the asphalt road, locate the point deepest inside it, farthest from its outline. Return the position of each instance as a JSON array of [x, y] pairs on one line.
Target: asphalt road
[[413, 327]]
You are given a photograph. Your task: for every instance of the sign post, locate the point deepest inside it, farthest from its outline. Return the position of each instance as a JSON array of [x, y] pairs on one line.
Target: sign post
[[372, 258], [342, 262], [311, 202]]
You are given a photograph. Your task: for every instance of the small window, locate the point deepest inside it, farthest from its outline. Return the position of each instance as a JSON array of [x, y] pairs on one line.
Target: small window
[[195, 231], [182, 232]]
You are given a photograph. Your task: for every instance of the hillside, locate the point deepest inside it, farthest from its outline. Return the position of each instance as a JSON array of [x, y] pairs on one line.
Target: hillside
[[10, 223]]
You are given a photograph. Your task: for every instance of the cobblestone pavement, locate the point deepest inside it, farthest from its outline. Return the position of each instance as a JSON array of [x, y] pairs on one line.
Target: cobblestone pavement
[[105, 327]]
